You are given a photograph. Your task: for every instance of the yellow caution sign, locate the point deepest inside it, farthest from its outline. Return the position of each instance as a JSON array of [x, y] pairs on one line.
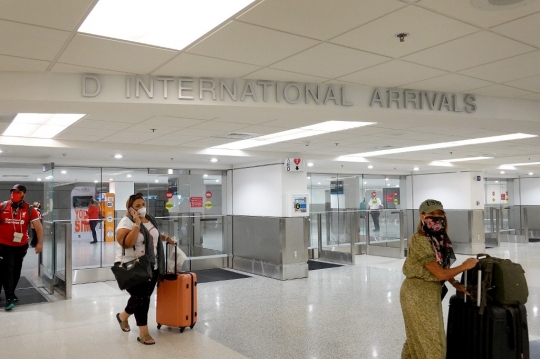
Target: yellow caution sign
[[208, 204], [169, 205]]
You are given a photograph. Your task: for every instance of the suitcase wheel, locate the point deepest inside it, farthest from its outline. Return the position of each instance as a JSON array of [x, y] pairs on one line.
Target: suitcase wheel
[[191, 326], [159, 326], [182, 329]]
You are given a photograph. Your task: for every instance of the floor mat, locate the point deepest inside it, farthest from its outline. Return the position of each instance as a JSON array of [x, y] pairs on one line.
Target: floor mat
[[534, 240], [315, 265], [26, 293], [217, 274]]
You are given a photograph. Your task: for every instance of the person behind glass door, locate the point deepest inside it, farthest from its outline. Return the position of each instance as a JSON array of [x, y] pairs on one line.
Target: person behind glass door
[[14, 223], [426, 268], [34, 239], [93, 218], [132, 232], [375, 207]]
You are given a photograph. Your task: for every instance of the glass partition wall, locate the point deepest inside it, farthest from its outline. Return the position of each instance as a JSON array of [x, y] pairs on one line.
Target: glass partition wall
[[364, 209]]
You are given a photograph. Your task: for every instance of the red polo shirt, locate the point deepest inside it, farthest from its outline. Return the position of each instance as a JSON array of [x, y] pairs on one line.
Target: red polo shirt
[[16, 221]]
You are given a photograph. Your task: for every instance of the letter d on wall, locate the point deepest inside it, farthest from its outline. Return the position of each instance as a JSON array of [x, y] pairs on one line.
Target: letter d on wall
[[91, 86]]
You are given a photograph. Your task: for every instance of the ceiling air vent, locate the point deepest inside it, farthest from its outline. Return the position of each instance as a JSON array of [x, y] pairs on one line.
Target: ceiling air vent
[[238, 135]]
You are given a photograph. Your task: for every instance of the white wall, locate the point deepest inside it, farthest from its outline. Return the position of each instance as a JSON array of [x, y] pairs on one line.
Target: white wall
[[454, 190], [257, 191], [122, 191], [530, 191]]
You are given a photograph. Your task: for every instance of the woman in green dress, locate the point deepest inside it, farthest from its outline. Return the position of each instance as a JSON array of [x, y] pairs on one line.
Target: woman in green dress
[[426, 268]]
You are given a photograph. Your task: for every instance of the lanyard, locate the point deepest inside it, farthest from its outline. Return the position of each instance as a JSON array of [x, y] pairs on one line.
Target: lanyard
[[20, 224]]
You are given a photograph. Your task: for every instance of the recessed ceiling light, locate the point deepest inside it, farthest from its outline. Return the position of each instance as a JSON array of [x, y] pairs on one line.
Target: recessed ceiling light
[[118, 156], [531, 173], [386, 179], [365, 182], [502, 172], [205, 175], [128, 176], [170, 171], [217, 180], [40, 125], [511, 166], [49, 177], [39, 179], [214, 160], [416, 169], [496, 181], [96, 181], [111, 179], [397, 185], [156, 181], [1, 151], [164, 23], [63, 172], [318, 182], [308, 177], [370, 166], [473, 141], [441, 164], [310, 164], [301, 132]]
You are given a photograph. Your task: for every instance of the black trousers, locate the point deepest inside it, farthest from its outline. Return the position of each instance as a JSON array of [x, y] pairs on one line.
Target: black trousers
[[93, 225], [139, 302], [375, 215], [10, 267]]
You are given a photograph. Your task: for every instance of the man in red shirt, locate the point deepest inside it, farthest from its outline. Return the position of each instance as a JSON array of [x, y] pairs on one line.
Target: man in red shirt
[[93, 218], [14, 222]]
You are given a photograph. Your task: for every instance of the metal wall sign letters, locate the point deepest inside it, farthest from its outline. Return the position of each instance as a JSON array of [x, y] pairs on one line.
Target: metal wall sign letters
[[411, 99]]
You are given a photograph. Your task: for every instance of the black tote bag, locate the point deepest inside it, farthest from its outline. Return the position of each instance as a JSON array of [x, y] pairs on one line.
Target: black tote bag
[[133, 272]]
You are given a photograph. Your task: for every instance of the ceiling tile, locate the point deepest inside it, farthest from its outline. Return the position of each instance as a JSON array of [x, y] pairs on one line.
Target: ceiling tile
[[57, 14], [425, 28], [470, 51], [392, 74], [91, 132], [150, 127], [10, 63], [319, 19], [534, 97], [328, 60], [208, 142], [195, 132], [463, 10], [59, 67], [131, 118], [220, 126], [279, 75], [169, 140], [513, 68], [530, 83], [176, 122], [131, 137], [78, 137], [250, 44], [85, 50], [500, 91], [448, 83], [525, 29], [89, 123], [30, 41], [201, 66]]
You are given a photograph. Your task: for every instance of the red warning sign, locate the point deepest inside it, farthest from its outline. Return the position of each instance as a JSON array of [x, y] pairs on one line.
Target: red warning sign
[[208, 194], [169, 194], [196, 202]]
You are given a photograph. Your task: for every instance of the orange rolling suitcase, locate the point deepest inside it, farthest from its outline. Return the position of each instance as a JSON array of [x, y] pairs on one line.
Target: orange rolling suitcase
[[177, 300]]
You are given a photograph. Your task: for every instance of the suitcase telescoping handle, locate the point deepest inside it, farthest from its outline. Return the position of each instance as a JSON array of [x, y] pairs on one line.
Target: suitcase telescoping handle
[[479, 288]]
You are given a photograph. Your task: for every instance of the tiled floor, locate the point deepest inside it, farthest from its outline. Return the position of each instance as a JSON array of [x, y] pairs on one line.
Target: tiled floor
[[344, 312]]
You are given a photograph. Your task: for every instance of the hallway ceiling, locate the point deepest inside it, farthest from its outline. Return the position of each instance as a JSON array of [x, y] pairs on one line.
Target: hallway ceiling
[[451, 47]]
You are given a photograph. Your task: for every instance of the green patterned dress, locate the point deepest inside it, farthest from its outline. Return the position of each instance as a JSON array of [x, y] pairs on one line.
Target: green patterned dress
[[420, 298]]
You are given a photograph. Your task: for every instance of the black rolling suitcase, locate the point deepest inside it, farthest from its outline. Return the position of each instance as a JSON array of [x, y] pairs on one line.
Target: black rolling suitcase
[[501, 332]]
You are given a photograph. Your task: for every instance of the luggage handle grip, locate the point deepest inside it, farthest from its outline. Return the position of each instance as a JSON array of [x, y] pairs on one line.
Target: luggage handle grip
[[479, 286], [465, 295], [481, 255]]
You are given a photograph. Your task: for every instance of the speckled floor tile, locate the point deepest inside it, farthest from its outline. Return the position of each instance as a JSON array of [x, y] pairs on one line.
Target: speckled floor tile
[[344, 312]]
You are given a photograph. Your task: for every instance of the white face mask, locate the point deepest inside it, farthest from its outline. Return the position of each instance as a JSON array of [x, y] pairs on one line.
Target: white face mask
[[142, 212]]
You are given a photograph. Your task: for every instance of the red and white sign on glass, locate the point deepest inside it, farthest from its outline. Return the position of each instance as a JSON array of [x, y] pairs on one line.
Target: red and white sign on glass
[[169, 194]]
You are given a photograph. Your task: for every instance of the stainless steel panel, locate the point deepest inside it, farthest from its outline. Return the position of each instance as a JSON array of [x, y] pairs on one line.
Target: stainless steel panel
[[259, 238], [460, 226], [476, 218], [469, 248], [335, 256], [391, 252], [92, 275], [205, 263], [281, 272], [295, 240]]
